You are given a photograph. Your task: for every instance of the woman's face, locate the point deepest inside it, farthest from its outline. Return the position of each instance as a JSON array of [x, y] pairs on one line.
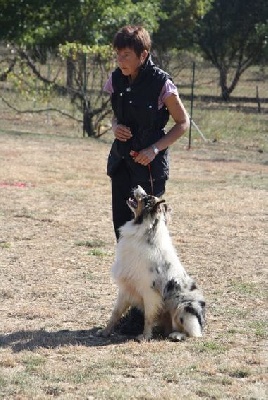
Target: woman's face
[[129, 62]]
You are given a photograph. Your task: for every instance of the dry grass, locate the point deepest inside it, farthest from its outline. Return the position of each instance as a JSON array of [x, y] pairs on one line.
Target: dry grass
[[56, 248]]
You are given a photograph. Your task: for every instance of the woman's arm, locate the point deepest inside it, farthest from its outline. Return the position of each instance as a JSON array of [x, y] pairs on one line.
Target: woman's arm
[[182, 123]]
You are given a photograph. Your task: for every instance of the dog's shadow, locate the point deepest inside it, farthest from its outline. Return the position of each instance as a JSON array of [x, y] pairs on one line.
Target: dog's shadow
[[31, 340]]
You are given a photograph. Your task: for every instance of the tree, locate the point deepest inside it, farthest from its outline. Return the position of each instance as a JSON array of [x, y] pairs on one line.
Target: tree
[[175, 33], [123, 12], [37, 28], [233, 36]]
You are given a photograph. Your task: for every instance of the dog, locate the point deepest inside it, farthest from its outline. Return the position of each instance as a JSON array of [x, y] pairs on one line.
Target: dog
[[150, 276]]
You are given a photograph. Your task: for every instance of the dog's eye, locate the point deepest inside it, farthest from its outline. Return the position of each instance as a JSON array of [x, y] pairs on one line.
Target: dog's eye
[[149, 201]]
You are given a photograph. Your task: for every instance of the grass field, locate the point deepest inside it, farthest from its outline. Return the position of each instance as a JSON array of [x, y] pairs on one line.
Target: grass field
[[57, 246]]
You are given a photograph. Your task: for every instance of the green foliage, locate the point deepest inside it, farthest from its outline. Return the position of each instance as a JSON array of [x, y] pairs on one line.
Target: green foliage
[[124, 12], [177, 23], [53, 22], [29, 86], [81, 32], [229, 28], [35, 23], [104, 53], [233, 35]]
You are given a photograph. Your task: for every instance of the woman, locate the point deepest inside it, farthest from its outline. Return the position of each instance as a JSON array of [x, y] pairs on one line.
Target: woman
[[142, 97]]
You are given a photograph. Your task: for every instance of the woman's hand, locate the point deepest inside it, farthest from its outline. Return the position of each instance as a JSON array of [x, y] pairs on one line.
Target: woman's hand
[[144, 156], [122, 132]]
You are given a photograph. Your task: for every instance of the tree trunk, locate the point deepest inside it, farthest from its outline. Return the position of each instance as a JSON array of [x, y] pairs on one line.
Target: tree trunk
[[235, 80], [88, 129], [225, 93], [225, 89], [4, 75], [70, 73]]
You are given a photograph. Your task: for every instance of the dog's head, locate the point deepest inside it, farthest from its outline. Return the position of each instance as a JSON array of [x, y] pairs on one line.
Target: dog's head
[[144, 205]]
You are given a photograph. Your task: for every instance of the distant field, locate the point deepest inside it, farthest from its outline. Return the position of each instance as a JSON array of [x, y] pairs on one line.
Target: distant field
[[237, 120]]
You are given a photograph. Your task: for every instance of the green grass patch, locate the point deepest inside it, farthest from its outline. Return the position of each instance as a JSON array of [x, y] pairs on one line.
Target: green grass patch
[[5, 245], [3, 381], [95, 246], [98, 253], [211, 346], [261, 328], [90, 243], [32, 363], [246, 288], [239, 373]]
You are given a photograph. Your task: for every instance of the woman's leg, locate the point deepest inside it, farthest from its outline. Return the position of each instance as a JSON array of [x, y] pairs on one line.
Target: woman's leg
[[121, 190]]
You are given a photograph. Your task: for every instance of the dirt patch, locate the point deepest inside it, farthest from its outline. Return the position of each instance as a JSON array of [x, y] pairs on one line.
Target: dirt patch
[[56, 248]]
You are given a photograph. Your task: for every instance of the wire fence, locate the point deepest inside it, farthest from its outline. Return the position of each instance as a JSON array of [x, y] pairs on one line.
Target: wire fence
[[29, 104]]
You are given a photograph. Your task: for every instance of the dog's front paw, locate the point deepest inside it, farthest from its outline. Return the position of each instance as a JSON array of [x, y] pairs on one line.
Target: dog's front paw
[[103, 333], [177, 336], [142, 338]]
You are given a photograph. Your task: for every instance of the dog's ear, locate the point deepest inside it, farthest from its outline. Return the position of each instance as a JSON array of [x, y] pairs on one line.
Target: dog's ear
[[157, 206], [167, 212], [167, 208], [160, 202]]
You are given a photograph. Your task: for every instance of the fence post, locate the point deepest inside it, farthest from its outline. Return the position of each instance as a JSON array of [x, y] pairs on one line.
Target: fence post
[[258, 99], [192, 102], [85, 106]]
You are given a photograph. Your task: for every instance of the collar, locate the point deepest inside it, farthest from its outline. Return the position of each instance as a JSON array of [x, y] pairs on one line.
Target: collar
[[144, 69]]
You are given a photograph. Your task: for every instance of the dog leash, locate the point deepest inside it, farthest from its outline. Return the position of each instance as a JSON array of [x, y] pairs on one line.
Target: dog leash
[[151, 178], [134, 155]]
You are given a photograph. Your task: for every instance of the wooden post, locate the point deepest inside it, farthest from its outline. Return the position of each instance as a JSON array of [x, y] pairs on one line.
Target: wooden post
[[192, 102], [258, 99], [85, 108]]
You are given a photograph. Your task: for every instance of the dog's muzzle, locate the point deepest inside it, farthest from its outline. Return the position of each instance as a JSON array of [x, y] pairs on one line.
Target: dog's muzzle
[[138, 195], [132, 203]]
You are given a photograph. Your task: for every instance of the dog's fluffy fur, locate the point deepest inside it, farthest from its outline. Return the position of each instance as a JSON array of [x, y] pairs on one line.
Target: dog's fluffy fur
[[150, 276]]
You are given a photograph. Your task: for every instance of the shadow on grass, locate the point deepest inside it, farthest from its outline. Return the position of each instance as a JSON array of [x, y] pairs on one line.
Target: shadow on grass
[[31, 340], [129, 327]]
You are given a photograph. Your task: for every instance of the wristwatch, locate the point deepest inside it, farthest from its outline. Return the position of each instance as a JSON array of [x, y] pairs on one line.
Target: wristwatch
[[155, 149]]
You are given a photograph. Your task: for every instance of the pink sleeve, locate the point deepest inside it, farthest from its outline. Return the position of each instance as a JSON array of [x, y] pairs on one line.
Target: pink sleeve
[[168, 89], [108, 87]]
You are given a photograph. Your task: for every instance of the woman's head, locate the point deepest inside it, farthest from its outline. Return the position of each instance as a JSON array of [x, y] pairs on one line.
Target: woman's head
[[133, 37], [132, 45]]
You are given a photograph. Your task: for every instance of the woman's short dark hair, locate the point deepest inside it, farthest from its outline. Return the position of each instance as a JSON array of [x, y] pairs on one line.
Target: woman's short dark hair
[[134, 37]]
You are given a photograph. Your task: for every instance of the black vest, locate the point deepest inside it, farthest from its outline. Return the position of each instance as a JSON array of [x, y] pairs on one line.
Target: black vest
[[136, 106]]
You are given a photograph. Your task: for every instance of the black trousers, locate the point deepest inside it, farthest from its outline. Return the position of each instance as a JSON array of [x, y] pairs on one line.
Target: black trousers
[[122, 186]]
